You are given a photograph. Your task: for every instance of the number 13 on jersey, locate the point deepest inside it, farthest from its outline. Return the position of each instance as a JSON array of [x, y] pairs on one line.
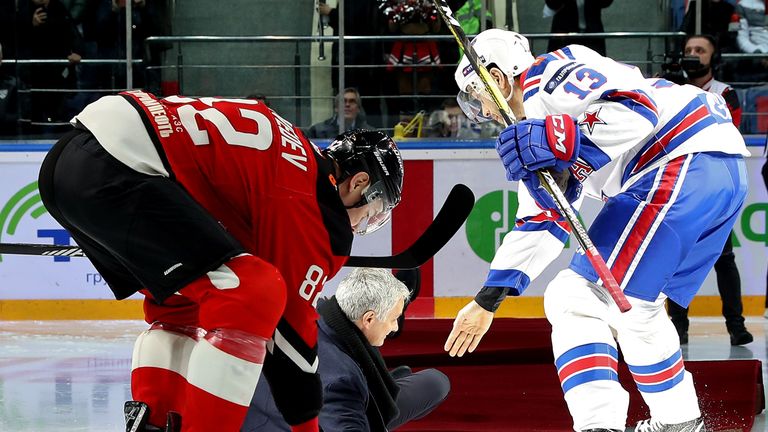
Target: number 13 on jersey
[[588, 80]]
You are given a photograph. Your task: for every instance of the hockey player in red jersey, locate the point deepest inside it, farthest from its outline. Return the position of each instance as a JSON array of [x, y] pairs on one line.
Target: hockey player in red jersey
[[229, 221]]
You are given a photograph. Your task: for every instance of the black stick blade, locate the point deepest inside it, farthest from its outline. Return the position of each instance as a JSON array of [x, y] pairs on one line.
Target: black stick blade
[[449, 219]]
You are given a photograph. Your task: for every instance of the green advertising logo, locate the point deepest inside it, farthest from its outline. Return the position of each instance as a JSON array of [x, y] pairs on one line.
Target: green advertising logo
[[759, 209], [25, 201], [492, 217]]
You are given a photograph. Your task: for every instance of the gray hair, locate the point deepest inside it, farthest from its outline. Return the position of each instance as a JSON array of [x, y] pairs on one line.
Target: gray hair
[[369, 289]]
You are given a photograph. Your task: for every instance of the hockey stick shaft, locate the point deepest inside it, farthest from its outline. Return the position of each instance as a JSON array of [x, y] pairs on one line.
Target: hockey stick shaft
[[40, 249], [546, 179], [449, 219]]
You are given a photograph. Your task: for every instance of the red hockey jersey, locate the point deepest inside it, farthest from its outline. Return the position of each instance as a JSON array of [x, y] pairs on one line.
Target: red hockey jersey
[[260, 177]]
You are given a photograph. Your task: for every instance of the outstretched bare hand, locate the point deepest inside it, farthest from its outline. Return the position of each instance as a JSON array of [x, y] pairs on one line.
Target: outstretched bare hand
[[469, 327]]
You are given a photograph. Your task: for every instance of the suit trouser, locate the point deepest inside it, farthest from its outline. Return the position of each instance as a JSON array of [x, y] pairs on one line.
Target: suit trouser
[[420, 393]]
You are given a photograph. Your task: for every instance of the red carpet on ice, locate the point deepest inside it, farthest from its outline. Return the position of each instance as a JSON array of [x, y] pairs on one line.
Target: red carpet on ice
[[510, 382]]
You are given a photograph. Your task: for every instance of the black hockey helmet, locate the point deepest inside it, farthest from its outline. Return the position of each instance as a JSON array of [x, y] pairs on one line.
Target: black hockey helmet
[[375, 153]]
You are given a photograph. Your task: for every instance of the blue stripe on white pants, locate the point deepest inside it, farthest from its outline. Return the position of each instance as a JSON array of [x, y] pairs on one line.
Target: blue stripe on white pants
[[649, 342], [579, 321]]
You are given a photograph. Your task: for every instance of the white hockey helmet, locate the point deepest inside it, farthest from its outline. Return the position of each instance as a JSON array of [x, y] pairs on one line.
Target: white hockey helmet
[[506, 50]]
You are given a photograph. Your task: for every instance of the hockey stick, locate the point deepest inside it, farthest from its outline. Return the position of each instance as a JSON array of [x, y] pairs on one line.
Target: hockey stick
[[449, 219], [549, 184]]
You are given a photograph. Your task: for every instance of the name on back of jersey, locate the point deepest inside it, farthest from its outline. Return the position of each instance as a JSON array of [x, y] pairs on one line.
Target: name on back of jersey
[[293, 150], [159, 115]]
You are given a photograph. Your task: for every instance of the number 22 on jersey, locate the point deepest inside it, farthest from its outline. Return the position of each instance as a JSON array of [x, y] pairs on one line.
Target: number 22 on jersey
[[259, 140]]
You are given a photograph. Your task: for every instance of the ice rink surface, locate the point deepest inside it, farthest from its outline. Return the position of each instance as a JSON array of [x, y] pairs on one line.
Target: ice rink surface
[[74, 376]]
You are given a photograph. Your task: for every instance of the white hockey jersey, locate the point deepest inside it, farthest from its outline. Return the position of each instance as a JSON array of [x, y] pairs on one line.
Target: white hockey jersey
[[629, 126]]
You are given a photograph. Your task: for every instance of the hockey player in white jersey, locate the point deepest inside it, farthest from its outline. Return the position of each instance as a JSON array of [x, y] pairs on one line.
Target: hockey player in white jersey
[[668, 164]]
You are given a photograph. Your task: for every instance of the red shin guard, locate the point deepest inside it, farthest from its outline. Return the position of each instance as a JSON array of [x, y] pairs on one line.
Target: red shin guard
[[223, 372], [160, 358]]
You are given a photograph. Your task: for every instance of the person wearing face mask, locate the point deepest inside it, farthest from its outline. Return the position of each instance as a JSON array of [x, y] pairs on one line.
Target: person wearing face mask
[[728, 281], [702, 75]]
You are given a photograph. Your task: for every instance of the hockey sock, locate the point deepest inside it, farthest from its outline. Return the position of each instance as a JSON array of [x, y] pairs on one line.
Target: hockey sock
[[224, 369], [159, 368]]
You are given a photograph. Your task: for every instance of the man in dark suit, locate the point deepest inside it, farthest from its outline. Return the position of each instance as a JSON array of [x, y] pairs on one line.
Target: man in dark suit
[[578, 16], [359, 392]]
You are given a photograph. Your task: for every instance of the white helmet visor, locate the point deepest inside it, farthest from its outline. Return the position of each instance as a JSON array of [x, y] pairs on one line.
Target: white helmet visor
[[479, 106], [472, 108]]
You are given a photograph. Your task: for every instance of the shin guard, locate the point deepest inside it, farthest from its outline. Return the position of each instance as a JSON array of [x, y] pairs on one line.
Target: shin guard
[[159, 368], [224, 369]]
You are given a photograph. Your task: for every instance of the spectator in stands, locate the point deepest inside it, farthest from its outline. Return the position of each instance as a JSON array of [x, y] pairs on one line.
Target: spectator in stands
[[8, 101], [715, 19], [577, 16], [451, 122], [362, 18], [104, 26], [359, 393], [353, 116], [752, 34], [48, 32], [728, 280], [76, 9], [8, 27], [412, 60]]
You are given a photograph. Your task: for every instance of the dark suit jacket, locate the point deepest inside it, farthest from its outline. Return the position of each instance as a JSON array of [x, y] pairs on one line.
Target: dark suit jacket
[[567, 20], [347, 405]]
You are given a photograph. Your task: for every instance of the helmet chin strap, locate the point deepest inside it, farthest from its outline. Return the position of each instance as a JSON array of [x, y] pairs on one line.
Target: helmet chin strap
[[511, 89], [511, 92], [359, 204]]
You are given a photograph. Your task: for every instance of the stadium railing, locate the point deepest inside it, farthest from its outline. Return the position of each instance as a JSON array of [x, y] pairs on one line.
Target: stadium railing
[[300, 101]]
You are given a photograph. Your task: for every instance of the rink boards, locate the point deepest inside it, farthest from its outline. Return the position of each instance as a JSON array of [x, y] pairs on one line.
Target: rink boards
[[46, 287]]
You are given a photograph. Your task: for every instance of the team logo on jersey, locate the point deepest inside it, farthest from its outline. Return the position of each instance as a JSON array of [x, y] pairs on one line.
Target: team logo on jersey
[[591, 119], [581, 170]]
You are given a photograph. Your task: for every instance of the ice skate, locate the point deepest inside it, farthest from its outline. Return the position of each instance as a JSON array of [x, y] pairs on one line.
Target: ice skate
[[137, 415], [695, 425]]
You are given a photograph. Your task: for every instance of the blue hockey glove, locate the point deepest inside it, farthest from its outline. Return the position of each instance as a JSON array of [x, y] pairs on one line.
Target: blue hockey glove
[[572, 189], [538, 144]]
